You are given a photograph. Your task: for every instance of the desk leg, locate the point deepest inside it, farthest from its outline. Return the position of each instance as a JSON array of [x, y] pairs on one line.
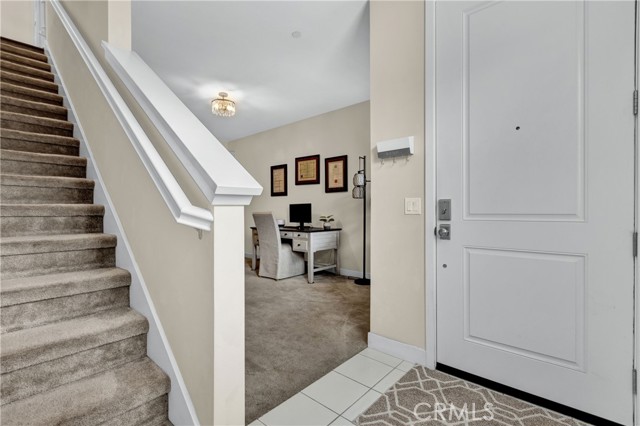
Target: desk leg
[[310, 266], [253, 259], [337, 262]]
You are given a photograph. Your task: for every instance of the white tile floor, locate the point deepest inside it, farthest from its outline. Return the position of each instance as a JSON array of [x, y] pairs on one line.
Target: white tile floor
[[338, 398]]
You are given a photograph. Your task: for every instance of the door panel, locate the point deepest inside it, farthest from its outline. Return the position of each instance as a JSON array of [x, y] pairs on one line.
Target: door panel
[[496, 69], [535, 147]]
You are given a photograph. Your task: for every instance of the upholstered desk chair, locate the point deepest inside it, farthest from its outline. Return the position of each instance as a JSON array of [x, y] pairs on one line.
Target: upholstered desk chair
[[277, 259]]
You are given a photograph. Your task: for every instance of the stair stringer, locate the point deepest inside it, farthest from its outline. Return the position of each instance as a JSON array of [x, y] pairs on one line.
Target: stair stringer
[[181, 409]]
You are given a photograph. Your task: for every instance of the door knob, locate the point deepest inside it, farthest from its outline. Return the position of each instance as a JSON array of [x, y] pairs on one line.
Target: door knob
[[444, 232]]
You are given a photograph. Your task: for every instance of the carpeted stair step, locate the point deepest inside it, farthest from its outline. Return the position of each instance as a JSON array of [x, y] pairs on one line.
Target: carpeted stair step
[[37, 164], [15, 49], [93, 400], [26, 70], [42, 164], [17, 58], [22, 60], [28, 82], [20, 189], [16, 43], [25, 382], [107, 290], [38, 109], [152, 413], [51, 254], [50, 219], [86, 300], [38, 142], [32, 289], [32, 346], [20, 92], [42, 357], [29, 123]]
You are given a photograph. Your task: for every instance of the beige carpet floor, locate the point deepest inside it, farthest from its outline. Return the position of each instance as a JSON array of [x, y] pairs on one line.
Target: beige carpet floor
[[297, 332], [411, 401]]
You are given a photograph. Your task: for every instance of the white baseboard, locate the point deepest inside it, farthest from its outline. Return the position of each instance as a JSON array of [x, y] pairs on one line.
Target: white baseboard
[[398, 349], [181, 409]]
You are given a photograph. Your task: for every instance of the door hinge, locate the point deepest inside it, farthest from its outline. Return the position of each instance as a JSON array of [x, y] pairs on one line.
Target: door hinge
[[635, 244], [634, 381], [635, 102]]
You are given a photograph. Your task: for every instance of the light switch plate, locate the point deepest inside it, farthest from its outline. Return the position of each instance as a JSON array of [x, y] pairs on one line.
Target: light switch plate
[[412, 206]]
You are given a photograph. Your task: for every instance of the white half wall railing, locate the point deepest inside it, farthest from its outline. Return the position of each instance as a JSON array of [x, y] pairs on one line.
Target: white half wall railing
[[183, 211], [220, 177]]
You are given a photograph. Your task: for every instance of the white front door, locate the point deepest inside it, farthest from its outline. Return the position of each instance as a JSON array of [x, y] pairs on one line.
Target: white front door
[[535, 149]]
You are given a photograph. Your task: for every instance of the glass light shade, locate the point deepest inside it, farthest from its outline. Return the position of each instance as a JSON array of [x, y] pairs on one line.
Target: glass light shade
[[358, 192], [222, 106], [359, 179]]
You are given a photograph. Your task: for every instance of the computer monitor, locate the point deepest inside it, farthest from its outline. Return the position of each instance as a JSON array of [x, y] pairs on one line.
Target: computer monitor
[[300, 213]]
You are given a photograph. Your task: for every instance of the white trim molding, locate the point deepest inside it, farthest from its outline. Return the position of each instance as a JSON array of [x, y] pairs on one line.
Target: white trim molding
[[398, 349], [183, 211], [430, 176], [182, 411], [220, 177]]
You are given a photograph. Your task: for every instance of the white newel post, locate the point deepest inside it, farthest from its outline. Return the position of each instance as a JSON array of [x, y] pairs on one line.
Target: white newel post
[[228, 315]]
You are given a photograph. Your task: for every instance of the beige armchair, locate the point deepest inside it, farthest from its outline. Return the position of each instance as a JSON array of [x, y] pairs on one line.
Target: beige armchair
[[277, 259]]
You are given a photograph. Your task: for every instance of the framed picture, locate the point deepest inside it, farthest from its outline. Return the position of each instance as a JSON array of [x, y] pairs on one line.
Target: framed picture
[[279, 180], [335, 174], [308, 170]]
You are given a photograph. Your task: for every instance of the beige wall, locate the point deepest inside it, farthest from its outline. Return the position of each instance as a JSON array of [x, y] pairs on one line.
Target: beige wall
[[341, 132], [17, 20], [177, 266], [397, 110]]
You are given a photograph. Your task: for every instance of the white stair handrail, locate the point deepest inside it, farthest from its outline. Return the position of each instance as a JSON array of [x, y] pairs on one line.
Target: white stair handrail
[[183, 211], [220, 177]]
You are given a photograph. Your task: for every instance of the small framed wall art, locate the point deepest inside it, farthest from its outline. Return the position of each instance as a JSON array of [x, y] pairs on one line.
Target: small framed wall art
[[335, 174], [308, 170], [279, 180]]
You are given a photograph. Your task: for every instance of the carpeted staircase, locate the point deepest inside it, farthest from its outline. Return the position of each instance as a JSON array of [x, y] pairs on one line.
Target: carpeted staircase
[[72, 351]]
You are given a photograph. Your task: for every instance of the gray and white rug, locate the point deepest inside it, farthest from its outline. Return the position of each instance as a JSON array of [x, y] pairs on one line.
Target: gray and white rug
[[426, 397]]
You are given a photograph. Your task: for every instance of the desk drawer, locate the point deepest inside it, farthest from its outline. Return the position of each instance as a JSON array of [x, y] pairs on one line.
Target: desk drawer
[[300, 245], [286, 234], [300, 235]]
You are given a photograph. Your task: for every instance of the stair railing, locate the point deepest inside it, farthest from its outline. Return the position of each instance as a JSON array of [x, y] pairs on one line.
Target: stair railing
[[216, 172]]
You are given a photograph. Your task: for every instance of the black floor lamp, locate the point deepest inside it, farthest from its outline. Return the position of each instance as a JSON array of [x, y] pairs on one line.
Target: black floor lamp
[[360, 192]]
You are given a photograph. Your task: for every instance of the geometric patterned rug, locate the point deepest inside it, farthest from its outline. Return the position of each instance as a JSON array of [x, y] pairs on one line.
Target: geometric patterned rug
[[428, 397]]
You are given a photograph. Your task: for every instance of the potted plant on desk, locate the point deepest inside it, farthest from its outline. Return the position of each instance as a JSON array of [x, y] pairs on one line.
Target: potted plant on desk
[[326, 221]]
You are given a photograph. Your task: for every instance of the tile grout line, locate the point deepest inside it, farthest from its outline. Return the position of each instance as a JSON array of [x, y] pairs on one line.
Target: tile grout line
[[396, 366]]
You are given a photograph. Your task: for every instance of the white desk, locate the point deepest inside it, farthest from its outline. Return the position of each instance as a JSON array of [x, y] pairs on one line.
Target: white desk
[[309, 242]]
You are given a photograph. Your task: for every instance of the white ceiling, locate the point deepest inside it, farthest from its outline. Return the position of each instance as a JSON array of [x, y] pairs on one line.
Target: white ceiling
[[246, 48]]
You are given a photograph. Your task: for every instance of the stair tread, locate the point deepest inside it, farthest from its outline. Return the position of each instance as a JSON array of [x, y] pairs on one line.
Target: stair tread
[[30, 244], [38, 137], [41, 106], [24, 290], [46, 181], [54, 210], [31, 71], [36, 157], [30, 346], [25, 53], [92, 400], [32, 119], [46, 85], [21, 44], [30, 91], [17, 58]]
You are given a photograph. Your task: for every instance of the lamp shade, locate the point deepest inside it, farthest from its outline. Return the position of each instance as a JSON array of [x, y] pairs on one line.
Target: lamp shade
[[358, 192], [359, 179]]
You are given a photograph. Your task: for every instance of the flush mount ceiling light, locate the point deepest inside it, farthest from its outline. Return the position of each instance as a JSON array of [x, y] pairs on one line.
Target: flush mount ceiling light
[[222, 106]]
